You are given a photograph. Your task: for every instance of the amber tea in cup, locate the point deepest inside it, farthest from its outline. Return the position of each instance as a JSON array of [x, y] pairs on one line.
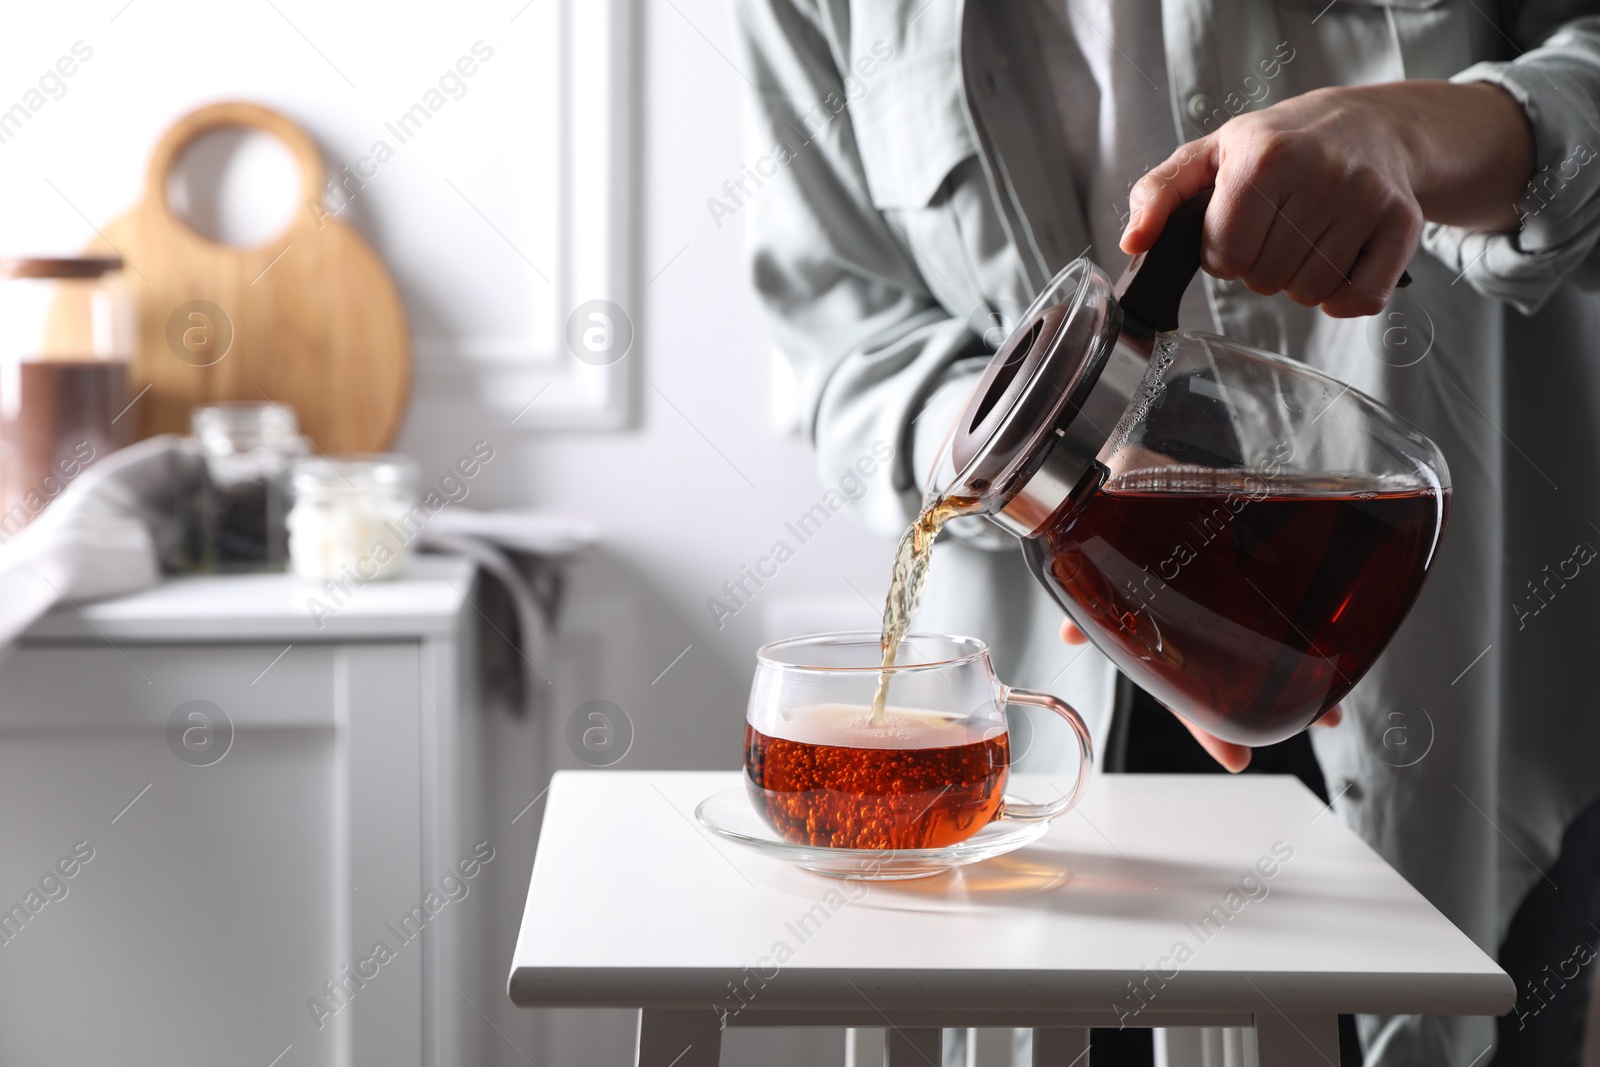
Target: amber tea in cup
[[929, 772]]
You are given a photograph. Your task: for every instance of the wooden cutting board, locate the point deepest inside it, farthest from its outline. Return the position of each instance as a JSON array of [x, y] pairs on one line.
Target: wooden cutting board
[[311, 318]]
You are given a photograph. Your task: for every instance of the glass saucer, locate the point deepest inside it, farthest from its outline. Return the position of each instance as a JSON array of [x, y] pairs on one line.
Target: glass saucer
[[732, 817]]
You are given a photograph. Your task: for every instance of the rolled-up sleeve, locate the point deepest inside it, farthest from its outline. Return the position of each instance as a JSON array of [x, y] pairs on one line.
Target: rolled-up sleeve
[[1557, 82], [848, 306]]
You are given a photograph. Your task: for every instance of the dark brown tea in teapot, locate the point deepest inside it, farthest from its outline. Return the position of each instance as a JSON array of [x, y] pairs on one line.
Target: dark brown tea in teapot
[[1249, 604]]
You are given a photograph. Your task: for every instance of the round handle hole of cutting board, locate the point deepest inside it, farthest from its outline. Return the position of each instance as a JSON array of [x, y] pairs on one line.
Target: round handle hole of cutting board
[[235, 185]]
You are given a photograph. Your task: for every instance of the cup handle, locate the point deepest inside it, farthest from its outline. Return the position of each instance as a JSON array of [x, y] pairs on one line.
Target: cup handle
[[1040, 812]]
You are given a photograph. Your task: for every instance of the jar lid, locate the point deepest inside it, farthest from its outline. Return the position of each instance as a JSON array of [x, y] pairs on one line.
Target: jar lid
[[57, 266], [387, 472], [246, 425]]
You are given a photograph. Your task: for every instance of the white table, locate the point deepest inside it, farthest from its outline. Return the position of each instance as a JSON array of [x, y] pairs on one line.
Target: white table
[[632, 904]]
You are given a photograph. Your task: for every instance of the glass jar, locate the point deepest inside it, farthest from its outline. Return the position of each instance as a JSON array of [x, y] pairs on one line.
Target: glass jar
[[248, 449], [67, 339], [352, 516]]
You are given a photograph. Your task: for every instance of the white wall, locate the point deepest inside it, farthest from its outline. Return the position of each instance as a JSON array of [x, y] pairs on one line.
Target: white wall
[[677, 519]]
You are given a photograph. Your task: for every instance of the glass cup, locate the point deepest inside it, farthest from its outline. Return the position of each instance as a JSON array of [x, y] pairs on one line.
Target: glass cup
[[929, 772]]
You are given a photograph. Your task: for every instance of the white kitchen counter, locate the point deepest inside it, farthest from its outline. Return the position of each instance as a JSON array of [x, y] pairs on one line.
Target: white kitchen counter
[[265, 801], [272, 607]]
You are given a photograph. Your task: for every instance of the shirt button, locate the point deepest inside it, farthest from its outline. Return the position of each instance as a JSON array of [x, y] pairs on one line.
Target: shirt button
[[1199, 106]]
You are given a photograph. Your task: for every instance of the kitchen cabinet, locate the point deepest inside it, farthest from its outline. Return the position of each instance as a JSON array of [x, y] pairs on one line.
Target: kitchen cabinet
[[233, 874]]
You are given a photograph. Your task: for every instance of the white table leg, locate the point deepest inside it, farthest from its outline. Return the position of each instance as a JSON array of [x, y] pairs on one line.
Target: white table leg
[[864, 1047], [1297, 1040], [1061, 1046], [916, 1048], [1210, 1046], [1179, 1046], [989, 1047], [1239, 1047], [678, 1039]]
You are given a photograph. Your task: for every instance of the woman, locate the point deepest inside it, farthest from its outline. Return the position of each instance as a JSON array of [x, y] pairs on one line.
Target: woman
[[921, 169]]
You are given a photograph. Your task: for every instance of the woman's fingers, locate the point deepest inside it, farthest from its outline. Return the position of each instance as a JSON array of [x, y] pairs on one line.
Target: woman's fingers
[[1313, 196], [1378, 268], [1234, 758], [1153, 198], [1071, 634], [1290, 243], [1238, 222], [1326, 271]]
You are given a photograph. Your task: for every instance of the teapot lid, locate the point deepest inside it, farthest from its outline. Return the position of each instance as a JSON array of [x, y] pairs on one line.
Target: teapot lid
[[1035, 387], [1054, 392]]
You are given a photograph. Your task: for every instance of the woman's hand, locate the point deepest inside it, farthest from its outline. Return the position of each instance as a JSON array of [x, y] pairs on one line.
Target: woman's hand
[[1234, 758], [1323, 195]]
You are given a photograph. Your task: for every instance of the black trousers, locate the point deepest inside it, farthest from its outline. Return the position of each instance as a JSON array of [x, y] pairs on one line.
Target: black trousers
[[1550, 952]]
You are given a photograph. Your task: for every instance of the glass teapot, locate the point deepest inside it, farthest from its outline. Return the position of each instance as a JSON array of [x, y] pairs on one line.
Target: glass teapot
[[1241, 534]]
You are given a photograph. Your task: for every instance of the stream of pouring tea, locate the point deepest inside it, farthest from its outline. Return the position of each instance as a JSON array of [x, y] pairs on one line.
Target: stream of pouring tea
[[910, 573]]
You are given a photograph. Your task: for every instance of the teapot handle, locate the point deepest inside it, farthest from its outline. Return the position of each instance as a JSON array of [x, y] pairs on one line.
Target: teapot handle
[[1019, 812], [1151, 289]]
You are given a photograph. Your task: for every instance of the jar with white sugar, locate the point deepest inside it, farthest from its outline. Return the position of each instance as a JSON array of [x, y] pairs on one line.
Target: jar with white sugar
[[352, 516]]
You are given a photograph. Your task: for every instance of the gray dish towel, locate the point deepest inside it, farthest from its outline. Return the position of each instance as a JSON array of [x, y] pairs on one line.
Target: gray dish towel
[[518, 551], [97, 538]]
